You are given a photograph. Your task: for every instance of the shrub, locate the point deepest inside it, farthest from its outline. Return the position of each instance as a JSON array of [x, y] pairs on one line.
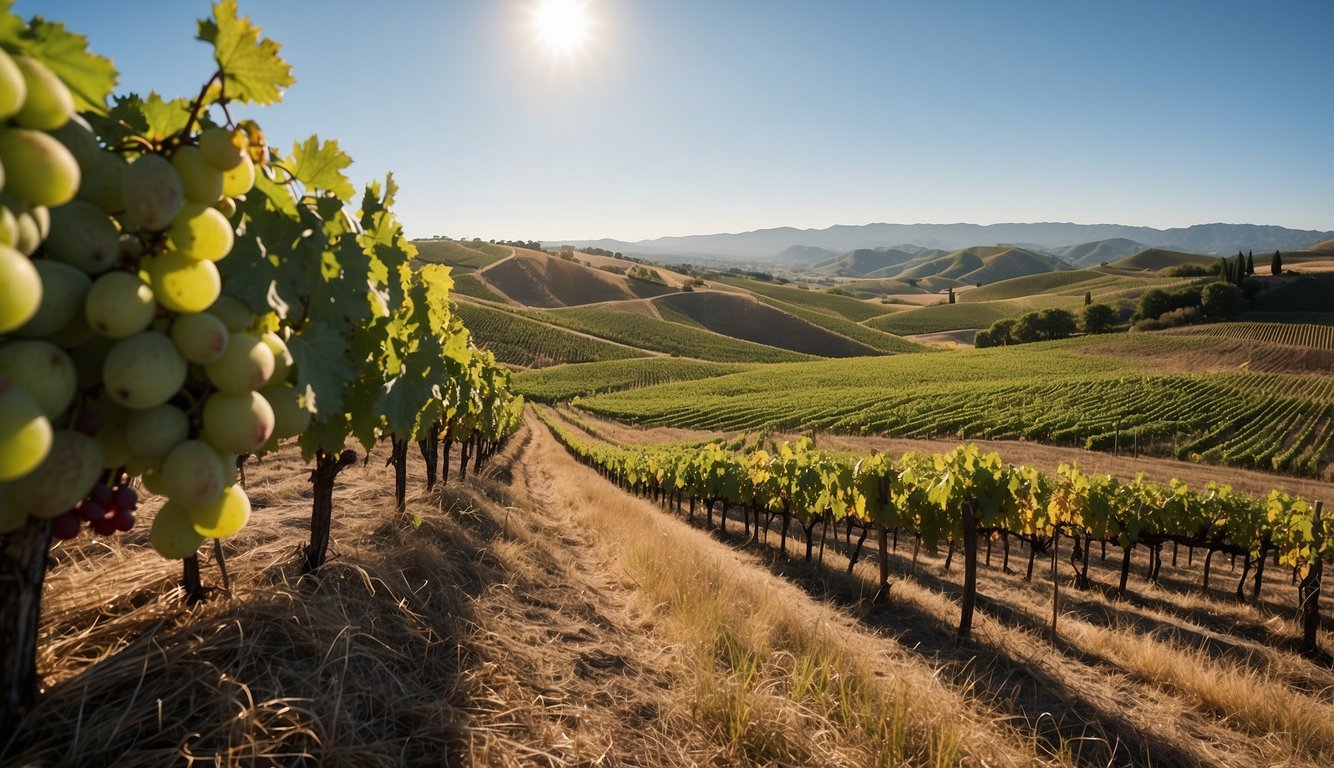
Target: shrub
[[1220, 300]]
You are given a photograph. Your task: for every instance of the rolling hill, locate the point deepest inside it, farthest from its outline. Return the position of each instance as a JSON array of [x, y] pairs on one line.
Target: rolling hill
[[862, 262], [1099, 252], [1155, 259]]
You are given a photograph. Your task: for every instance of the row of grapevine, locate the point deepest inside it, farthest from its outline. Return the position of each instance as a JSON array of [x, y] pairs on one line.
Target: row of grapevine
[[1264, 425], [177, 295], [520, 340], [1291, 334], [956, 497]]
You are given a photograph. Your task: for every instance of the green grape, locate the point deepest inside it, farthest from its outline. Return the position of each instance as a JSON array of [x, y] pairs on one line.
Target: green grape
[[41, 218], [192, 473], [20, 289], [152, 480], [9, 227], [200, 337], [83, 236], [182, 284], [25, 434], [64, 290], [226, 206], [29, 237], [154, 432], [115, 446], [42, 370], [201, 232], [104, 182], [90, 358], [232, 312], [143, 371], [229, 468], [153, 192], [38, 169], [173, 535], [77, 333], [201, 181], [245, 365], [223, 516], [48, 104], [62, 479], [240, 179], [11, 517], [290, 415], [78, 137], [282, 357], [223, 148], [119, 304], [237, 423], [13, 90]]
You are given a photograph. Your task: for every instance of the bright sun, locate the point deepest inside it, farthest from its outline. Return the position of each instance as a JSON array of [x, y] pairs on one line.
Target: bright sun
[[561, 26]]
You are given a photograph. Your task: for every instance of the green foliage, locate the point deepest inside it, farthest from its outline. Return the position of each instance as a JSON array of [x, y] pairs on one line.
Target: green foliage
[[1098, 318], [925, 494], [1057, 394], [1220, 301], [1157, 302]]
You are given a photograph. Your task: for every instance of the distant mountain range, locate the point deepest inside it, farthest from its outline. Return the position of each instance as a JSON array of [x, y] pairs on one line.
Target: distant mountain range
[[810, 246]]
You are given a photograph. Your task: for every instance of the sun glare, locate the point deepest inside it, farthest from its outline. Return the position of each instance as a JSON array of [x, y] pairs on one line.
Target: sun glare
[[561, 26]]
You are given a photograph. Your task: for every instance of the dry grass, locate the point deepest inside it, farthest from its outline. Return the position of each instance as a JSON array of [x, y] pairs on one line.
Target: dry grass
[[777, 677]]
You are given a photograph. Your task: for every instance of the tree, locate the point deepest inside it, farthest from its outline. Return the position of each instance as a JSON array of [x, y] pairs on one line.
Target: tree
[[1026, 329], [1276, 264], [1057, 324], [983, 339], [1001, 333], [1098, 318], [951, 295], [1088, 298], [1250, 263], [1220, 300]]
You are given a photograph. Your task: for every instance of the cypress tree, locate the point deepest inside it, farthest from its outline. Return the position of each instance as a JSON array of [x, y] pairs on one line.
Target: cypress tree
[[1088, 298], [1276, 264], [1250, 263]]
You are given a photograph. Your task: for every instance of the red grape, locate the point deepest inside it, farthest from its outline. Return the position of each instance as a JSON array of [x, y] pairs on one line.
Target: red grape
[[105, 527], [91, 510], [123, 519], [126, 498], [67, 526]]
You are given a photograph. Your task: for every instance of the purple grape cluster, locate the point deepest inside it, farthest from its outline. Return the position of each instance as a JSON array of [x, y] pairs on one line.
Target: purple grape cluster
[[107, 509]]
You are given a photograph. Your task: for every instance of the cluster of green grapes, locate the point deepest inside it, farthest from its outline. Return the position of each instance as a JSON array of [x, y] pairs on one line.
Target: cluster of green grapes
[[120, 355]]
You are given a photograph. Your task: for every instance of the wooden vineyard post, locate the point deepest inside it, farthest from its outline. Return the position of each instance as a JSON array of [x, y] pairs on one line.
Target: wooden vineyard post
[[1309, 590], [22, 570], [969, 569]]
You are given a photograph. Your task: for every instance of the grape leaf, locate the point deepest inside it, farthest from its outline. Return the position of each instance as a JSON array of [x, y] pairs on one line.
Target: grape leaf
[[89, 77], [323, 364], [320, 166], [11, 26], [253, 72]]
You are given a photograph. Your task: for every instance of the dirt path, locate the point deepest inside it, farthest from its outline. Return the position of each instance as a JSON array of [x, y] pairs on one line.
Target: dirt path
[[570, 673]]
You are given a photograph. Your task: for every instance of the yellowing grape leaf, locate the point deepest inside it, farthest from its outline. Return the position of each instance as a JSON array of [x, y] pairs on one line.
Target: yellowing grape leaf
[[253, 72], [320, 166]]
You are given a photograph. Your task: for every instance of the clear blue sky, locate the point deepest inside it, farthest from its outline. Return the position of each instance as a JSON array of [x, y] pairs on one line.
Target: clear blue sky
[[701, 116]]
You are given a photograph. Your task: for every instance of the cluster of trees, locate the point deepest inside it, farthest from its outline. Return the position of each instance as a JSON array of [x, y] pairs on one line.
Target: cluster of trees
[[602, 252], [1047, 325]]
